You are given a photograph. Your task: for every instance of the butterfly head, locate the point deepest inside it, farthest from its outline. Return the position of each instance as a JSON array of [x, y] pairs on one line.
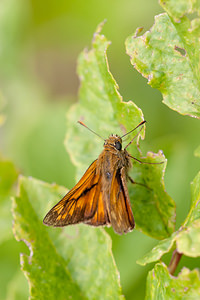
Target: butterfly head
[[114, 141]]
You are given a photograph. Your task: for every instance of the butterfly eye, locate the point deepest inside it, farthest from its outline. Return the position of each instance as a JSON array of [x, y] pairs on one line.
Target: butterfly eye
[[118, 146]]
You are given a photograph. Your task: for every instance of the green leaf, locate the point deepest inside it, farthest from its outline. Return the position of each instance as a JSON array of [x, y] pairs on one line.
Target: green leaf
[[187, 238], [194, 213], [102, 109], [100, 106], [153, 208], [158, 251], [178, 8], [8, 264], [71, 263], [168, 56], [8, 176], [161, 285]]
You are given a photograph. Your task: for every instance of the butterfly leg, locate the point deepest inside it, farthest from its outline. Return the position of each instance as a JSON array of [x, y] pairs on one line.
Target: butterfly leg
[[134, 182]]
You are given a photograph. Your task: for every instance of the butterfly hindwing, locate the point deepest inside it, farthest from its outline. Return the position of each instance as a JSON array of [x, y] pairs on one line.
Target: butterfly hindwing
[[120, 213]]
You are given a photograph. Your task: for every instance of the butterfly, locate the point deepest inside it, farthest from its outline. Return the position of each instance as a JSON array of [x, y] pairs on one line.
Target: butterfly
[[100, 198]]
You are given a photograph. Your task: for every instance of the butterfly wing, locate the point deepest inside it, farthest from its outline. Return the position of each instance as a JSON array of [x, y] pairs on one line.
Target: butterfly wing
[[81, 204], [120, 212], [101, 214]]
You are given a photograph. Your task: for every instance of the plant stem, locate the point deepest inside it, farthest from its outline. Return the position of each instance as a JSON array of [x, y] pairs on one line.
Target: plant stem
[[176, 256]]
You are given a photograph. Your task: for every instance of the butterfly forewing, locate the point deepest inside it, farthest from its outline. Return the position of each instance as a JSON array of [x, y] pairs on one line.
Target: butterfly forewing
[[100, 217], [79, 204]]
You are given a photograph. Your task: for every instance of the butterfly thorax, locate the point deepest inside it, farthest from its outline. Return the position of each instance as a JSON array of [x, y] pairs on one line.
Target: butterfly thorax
[[113, 157]]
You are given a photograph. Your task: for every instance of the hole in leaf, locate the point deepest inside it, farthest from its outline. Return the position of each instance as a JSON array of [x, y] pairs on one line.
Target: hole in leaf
[[182, 51]]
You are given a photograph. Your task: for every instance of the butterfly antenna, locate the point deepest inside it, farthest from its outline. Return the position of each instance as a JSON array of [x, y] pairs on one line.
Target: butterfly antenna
[[90, 130], [141, 123], [133, 139]]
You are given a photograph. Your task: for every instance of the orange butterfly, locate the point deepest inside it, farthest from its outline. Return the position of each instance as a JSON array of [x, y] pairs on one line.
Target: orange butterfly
[[101, 195]]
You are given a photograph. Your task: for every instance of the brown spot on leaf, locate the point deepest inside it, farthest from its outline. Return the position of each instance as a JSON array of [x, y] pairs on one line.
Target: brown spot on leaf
[[182, 51]]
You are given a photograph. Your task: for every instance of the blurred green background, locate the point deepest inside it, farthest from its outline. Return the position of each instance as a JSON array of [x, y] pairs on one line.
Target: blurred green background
[[39, 45]]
